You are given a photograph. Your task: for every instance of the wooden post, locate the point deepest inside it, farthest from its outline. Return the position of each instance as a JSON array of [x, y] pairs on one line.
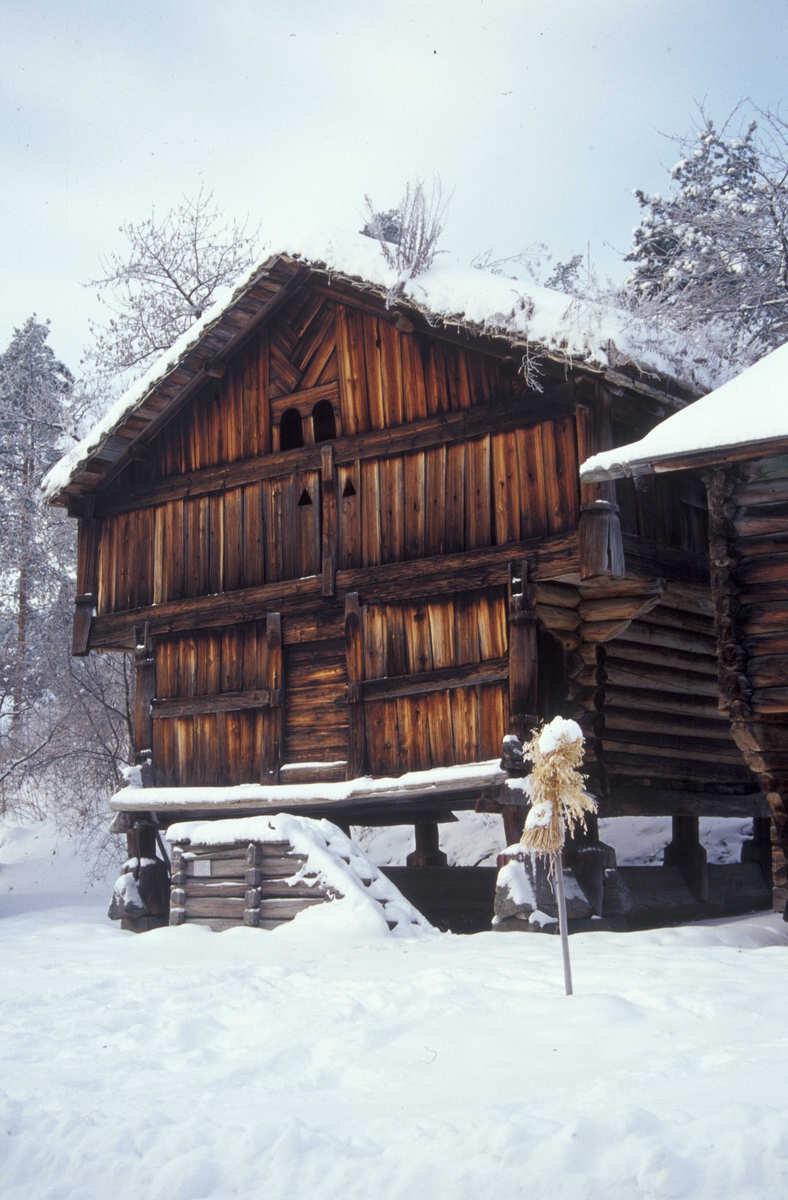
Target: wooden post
[[428, 852], [273, 714], [87, 583], [601, 544], [558, 879], [523, 654], [144, 693], [354, 650], [329, 520], [686, 853], [758, 848], [523, 675]]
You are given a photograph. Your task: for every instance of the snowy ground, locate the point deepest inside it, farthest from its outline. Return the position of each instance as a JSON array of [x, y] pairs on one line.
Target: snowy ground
[[185, 1065]]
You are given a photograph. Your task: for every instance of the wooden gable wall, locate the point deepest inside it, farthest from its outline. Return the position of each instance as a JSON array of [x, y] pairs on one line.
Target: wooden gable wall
[[439, 451], [463, 493]]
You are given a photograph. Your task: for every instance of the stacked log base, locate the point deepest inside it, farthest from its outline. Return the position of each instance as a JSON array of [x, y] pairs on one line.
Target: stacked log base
[[226, 886], [661, 897]]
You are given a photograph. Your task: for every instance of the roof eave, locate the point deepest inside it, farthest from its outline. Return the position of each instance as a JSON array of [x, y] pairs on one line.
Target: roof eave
[[691, 459]]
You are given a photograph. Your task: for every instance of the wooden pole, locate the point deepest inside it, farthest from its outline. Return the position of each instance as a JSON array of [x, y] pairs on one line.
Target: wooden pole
[[558, 880]]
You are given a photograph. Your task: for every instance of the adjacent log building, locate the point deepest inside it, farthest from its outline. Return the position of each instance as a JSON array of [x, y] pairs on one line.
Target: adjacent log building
[[736, 439], [343, 537]]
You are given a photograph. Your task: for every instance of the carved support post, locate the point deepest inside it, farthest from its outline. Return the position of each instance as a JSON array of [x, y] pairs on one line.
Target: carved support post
[[329, 519], [758, 848], [144, 692], [523, 654], [601, 545], [523, 676], [273, 714], [354, 651], [87, 582], [428, 852], [686, 853]]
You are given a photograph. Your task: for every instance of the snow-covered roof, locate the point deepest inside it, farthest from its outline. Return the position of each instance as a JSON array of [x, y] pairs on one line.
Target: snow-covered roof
[[594, 335], [750, 411]]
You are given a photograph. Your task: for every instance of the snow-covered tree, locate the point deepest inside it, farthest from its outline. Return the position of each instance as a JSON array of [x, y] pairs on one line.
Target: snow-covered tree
[[34, 393], [167, 277], [64, 724], [711, 258]]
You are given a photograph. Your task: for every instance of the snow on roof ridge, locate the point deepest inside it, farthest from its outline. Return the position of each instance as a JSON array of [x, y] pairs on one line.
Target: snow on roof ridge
[[750, 408], [589, 332]]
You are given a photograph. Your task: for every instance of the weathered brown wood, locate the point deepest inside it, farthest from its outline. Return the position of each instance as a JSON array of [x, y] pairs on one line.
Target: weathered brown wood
[[442, 575], [445, 429], [272, 731], [329, 521], [601, 544], [215, 906], [354, 652], [627, 800], [179, 385], [633, 762], [769, 700], [523, 660], [645, 556], [84, 606], [144, 691], [711, 458], [428, 852], [421, 684], [198, 888], [304, 400], [219, 702], [685, 852]]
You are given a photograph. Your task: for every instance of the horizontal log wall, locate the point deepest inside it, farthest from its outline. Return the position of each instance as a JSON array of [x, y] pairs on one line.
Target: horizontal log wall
[[651, 694], [315, 707]]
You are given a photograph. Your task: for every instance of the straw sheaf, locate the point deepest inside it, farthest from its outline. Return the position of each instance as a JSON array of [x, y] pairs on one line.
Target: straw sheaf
[[556, 788]]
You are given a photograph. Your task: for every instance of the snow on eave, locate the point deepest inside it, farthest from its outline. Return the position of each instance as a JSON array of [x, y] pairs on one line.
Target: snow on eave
[[364, 789], [746, 417], [541, 321], [61, 474]]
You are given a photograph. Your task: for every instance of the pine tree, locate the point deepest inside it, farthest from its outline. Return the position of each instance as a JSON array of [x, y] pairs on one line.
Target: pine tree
[[711, 258], [35, 388]]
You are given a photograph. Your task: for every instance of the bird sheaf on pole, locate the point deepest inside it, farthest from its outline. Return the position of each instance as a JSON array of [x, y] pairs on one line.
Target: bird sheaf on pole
[[559, 802], [556, 788]]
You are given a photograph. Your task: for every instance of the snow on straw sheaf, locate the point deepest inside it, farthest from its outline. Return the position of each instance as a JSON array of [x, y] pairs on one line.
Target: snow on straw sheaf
[[365, 899]]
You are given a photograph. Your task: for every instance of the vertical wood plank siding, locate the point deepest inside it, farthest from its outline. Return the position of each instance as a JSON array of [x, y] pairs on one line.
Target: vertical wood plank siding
[[492, 489]]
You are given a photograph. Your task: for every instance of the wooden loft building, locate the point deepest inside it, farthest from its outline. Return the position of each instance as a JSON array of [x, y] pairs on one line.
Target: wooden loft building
[[736, 439], [343, 538]]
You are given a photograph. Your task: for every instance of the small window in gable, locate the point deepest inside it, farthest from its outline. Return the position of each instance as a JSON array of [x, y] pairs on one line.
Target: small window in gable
[[291, 434], [324, 425]]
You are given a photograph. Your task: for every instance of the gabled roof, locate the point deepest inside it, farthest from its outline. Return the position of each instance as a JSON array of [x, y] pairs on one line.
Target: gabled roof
[[480, 305], [745, 418]]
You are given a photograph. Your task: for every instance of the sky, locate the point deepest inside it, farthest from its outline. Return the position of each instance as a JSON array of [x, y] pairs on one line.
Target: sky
[[539, 117]]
